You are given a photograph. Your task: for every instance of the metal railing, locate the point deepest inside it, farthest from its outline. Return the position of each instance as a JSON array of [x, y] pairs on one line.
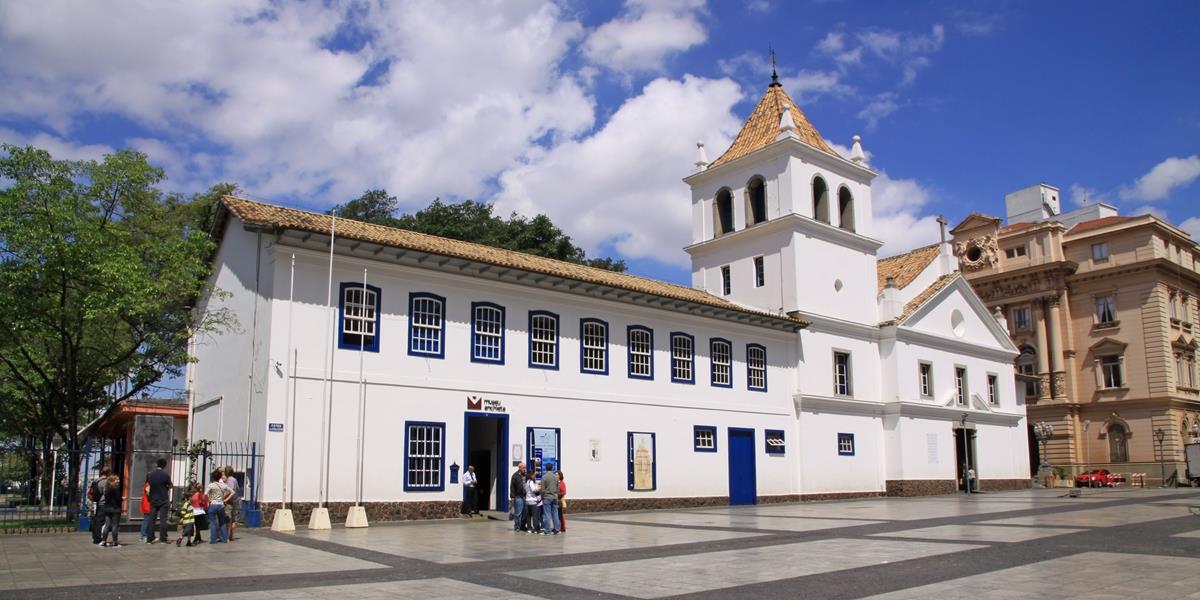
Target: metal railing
[[38, 493]]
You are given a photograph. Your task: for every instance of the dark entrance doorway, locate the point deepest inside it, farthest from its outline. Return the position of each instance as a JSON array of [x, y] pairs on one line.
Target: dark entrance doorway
[[1035, 453], [965, 457], [743, 487], [486, 447]]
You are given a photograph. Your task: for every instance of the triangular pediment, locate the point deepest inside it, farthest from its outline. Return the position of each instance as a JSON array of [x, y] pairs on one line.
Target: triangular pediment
[[932, 312], [975, 221], [1108, 345]]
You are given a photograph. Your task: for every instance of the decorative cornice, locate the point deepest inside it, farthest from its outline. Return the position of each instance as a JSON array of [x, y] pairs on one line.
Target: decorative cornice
[[824, 324], [951, 413], [913, 336], [835, 405]]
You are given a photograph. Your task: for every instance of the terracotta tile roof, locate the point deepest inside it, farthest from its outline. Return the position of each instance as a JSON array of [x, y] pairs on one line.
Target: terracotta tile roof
[[920, 299], [1098, 223], [259, 213], [762, 127], [905, 267]]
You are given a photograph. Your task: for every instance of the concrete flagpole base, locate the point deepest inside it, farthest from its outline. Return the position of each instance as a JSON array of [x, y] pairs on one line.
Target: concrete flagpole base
[[282, 521], [357, 517], [319, 519]]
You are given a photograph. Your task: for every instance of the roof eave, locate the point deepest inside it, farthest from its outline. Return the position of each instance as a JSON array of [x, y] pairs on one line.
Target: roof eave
[[812, 152]]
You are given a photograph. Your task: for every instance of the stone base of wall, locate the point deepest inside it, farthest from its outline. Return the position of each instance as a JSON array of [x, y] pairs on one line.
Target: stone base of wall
[[920, 487], [582, 505], [376, 511], [1004, 485]]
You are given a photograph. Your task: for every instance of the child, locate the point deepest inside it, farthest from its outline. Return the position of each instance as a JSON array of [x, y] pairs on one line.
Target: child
[[187, 521], [199, 511]]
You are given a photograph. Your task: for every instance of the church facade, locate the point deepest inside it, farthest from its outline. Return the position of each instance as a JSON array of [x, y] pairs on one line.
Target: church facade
[[374, 364]]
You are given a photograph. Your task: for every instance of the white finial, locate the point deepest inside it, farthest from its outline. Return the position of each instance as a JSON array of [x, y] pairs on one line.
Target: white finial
[[785, 120], [856, 152], [701, 156], [787, 126]]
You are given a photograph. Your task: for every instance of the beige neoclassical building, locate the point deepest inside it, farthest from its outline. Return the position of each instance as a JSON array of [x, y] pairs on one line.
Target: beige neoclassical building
[[1103, 308]]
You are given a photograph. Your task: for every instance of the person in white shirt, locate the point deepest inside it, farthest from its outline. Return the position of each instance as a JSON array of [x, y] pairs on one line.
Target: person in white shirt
[[469, 481]]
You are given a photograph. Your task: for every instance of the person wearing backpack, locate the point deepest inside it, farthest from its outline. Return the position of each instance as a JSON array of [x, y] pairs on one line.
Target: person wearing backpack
[[95, 495]]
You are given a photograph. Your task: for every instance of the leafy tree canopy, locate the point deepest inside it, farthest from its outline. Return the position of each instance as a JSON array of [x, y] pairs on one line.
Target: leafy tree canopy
[[99, 271], [475, 222]]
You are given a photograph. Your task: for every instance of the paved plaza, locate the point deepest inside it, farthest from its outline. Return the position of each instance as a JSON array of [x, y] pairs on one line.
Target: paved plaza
[[1029, 544]]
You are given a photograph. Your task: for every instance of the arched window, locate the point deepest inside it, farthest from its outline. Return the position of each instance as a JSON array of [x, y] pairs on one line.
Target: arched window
[[723, 213], [846, 209], [820, 192], [756, 200], [1118, 443]]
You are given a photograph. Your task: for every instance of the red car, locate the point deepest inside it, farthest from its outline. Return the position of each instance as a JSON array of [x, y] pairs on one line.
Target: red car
[[1096, 478]]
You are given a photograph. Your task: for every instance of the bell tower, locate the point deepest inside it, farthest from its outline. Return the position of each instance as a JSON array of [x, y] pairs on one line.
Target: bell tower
[[782, 222]]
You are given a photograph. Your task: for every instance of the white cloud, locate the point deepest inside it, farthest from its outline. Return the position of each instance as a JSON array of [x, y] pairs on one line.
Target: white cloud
[[1147, 209], [647, 32], [603, 192], [58, 147], [806, 85], [1163, 178], [897, 212], [878, 109], [1192, 227], [458, 98], [1082, 195], [834, 45], [758, 6]]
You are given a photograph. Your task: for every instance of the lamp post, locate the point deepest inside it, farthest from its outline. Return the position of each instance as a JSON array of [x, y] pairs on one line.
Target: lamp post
[[1086, 447], [1043, 431], [1160, 434]]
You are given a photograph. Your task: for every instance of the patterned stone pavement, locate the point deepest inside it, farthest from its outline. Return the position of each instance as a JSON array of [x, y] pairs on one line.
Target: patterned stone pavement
[[1028, 544]]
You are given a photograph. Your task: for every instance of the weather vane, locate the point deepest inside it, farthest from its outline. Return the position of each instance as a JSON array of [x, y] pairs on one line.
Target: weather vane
[[774, 73]]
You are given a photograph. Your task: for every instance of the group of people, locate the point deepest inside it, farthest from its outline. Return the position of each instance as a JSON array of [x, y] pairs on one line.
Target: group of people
[[538, 503], [215, 507]]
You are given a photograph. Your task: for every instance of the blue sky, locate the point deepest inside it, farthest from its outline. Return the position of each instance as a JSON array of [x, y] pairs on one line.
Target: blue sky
[[589, 111]]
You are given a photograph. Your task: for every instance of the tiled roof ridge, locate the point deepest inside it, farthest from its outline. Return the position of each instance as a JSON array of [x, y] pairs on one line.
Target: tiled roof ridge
[[262, 213], [1100, 222], [762, 127], [920, 299], [905, 267]]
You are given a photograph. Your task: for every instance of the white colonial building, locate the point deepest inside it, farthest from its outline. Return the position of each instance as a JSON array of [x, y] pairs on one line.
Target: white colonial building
[[373, 368]]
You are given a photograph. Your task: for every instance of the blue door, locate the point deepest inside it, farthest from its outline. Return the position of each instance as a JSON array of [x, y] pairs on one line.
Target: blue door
[[743, 488]]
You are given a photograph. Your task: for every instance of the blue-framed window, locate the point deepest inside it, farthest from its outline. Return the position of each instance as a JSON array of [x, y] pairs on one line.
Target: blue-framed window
[[487, 333], [683, 358], [642, 461], [641, 352], [543, 340], [424, 456], [358, 317], [720, 353], [593, 346], [704, 438], [845, 444], [775, 441], [426, 325], [756, 367]]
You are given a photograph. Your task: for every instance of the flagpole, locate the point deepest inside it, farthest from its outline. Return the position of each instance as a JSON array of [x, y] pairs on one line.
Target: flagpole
[[356, 516], [287, 392], [362, 392], [283, 520], [320, 516]]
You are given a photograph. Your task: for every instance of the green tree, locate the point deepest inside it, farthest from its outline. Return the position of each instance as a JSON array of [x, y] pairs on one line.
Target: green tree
[[475, 222], [99, 274], [374, 206]]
